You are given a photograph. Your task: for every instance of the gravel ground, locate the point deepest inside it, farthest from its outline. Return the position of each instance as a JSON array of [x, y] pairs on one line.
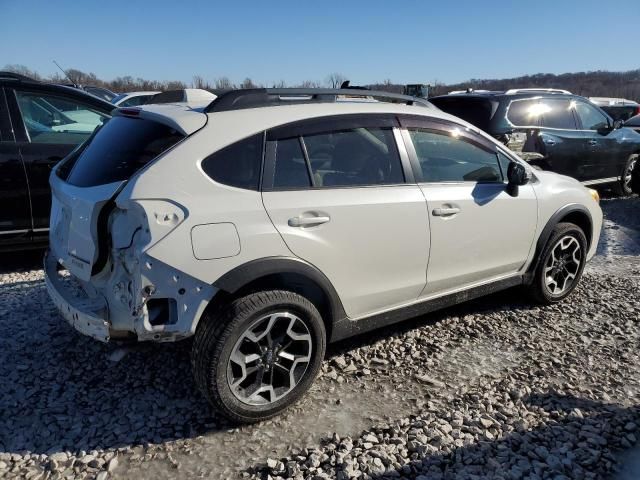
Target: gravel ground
[[495, 388]]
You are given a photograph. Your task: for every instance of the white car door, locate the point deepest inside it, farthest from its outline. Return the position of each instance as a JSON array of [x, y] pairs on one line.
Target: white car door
[[336, 192], [479, 232]]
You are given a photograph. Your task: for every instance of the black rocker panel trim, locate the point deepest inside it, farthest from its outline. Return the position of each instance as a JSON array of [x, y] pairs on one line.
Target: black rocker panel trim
[[346, 328]]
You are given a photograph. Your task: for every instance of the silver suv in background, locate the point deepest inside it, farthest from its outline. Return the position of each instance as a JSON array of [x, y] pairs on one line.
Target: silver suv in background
[[274, 221]]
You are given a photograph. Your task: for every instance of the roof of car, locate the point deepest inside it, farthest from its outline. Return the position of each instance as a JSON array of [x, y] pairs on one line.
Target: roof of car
[[505, 95], [610, 101], [32, 84]]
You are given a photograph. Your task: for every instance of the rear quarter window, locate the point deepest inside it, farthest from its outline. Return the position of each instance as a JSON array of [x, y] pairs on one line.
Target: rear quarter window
[[237, 165], [121, 147], [524, 113]]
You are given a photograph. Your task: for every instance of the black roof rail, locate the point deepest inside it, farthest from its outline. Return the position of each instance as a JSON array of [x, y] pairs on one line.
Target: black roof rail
[[268, 97], [16, 76]]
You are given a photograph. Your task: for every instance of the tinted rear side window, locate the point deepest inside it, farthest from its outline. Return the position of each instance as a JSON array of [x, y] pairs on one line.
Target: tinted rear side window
[[237, 165], [120, 148], [476, 111], [524, 113]]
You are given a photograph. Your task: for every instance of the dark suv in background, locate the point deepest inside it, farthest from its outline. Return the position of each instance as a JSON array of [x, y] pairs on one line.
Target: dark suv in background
[[40, 124], [553, 130]]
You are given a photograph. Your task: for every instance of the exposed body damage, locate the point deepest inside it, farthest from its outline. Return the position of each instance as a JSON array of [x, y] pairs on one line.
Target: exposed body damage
[[135, 296]]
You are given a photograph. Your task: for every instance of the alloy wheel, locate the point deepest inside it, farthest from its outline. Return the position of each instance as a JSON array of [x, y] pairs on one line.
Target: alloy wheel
[[563, 265], [269, 359], [628, 174]]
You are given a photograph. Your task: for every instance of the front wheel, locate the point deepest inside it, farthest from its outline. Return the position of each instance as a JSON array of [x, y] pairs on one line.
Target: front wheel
[[561, 264], [259, 355], [625, 187]]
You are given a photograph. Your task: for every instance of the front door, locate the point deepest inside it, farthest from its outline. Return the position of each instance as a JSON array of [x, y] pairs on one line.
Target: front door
[[50, 127], [604, 149], [479, 232], [337, 194]]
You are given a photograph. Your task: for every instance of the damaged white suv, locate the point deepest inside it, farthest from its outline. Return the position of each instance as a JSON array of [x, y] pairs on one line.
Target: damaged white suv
[[272, 222]]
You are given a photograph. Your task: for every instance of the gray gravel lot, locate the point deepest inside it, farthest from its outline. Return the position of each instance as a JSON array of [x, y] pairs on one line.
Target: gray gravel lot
[[495, 388]]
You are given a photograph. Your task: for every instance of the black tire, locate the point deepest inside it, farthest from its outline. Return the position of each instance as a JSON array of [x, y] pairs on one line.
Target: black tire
[[624, 187], [216, 338], [539, 289]]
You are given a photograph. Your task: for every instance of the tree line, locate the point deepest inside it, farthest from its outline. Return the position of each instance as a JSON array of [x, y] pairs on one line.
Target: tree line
[[589, 84]]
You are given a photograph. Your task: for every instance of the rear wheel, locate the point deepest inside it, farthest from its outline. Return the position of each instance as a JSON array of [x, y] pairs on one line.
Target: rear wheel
[[259, 355], [561, 264]]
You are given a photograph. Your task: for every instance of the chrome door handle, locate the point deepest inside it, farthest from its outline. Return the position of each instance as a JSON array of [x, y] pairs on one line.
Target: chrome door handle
[[307, 221], [445, 212], [593, 142], [551, 143]]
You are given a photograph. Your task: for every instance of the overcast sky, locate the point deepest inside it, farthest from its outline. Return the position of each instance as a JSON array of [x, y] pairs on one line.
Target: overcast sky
[[406, 41]]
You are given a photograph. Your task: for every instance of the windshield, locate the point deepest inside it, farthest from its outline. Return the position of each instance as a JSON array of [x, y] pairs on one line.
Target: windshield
[[120, 148]]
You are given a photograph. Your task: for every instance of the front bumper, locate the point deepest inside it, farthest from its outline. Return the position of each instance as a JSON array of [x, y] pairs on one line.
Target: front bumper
[[87, 315]]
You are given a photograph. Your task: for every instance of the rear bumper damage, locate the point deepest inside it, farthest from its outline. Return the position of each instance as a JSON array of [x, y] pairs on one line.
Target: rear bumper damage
[[138, 298], [86, 315]]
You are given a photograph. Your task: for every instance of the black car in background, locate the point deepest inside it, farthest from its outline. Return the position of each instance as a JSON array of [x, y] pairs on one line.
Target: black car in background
[[553, 130], [40, 124]]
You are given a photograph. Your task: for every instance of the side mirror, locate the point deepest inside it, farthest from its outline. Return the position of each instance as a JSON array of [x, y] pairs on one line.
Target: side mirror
[[516, 175]]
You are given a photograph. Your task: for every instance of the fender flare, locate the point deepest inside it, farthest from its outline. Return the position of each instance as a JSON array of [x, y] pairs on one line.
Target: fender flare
[[548, 228], [244, 274]]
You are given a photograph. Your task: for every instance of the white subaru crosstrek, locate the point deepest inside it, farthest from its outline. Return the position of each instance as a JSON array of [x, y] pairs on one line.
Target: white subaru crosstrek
[[272, 222]]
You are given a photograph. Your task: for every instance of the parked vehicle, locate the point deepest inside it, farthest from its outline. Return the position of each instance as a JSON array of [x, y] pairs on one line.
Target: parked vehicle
[[617, 108], [633, 123], [553, 130], [194, 97], [40, 124], [420, 90], [132, 99], [274, 221], [100, 92]]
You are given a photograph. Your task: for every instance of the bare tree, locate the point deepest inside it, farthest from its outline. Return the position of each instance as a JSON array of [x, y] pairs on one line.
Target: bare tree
[[310, 84], [223, 83], [334, 80], [280, 84], [199, 82], [22, 70], [248, 83]]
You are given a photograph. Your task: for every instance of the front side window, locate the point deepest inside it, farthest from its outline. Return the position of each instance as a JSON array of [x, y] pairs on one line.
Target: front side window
[[57, 119], [237, 165], [354, 157], [449, 158], [590, 117], [557, 113]]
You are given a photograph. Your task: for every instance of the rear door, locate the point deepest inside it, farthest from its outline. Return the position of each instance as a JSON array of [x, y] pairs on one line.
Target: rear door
[[15, 213], [341, 194], [48, 127], [479, 232]]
